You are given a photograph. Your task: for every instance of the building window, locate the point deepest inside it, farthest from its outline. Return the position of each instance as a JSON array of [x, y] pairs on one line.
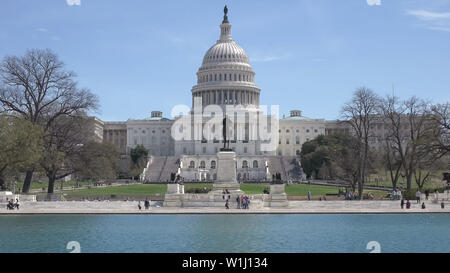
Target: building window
[[307, 130], [244, 164], [255, 164], [213, 164], [202, 165], [287, 140], [245, 150], [297, 140], [184, 150], [204, 150], [191, 165]]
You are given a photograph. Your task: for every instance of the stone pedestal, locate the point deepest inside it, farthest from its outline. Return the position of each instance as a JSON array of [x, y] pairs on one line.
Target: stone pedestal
[[277, 196], [174, 195], [226, 173]]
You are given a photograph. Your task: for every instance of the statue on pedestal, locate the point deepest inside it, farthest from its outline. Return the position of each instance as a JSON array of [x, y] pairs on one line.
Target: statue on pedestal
[[225, 134]]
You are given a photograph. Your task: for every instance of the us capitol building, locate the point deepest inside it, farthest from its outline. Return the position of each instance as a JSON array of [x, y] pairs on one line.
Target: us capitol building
[[224, 80]]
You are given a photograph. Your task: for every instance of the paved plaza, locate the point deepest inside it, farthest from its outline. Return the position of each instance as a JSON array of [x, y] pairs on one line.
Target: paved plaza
[[127, 207]]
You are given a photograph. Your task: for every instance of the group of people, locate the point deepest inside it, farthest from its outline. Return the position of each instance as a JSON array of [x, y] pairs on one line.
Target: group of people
[[146, 204], [396, 194], [408, 204], [243, 202], [350, 195], [12, 205]]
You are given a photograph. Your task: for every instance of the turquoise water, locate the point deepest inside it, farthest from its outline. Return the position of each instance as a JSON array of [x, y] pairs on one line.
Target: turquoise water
[[225, 233]]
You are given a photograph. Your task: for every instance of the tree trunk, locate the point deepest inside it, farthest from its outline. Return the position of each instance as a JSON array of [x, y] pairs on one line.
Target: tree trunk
[[27, 181], [51, 183], [2, 182], [408, 180]]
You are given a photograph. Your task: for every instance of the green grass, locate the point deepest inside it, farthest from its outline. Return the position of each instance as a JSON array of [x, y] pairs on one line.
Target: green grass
[[40, 185], [293, 189], [140, 189], [254, 188], [147, 189]]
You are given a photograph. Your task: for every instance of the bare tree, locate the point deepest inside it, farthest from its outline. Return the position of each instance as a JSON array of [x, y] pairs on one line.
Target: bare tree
[[37, 87], [418, 129], [361, 112], [392, 113], [440, 115], [64, 143]]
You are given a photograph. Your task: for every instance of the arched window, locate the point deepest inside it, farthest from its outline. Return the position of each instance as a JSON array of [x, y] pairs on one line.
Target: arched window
[[244, 164], [191, 165], [202, 164], [215, 176], [255, 164], [213, 164]]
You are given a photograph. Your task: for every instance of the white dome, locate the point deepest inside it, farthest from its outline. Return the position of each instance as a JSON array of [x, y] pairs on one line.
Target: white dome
[[225, 76], [225, 52]]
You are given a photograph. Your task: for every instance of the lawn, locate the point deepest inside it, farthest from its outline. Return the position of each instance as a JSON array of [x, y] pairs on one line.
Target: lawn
[[140, 189], [147, 189], [44, 185]]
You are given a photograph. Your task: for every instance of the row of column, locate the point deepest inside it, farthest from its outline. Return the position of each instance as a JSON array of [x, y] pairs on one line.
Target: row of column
[[221, 97]]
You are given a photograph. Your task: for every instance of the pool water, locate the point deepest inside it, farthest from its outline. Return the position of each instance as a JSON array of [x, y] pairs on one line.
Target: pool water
[[226, 233]]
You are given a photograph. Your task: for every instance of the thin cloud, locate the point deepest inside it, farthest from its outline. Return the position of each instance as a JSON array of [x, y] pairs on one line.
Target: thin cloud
[[432, 20], [373, 2], [42, 29], [428, 15], [266, 59], [73, 2], [270, 58]]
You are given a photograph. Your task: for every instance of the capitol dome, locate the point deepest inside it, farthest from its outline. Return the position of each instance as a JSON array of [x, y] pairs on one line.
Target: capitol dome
[[225, 52], [226, 76]]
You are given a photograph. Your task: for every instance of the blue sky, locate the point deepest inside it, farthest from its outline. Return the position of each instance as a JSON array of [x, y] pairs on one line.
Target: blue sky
[[141, 55]]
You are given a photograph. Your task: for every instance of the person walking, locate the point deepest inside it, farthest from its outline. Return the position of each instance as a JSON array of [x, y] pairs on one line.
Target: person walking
[[17, 204], [139, 205], [309, 195], [227, 205], [427, 193], [402, 203], [418, 194], [238, 202], [147, 204]]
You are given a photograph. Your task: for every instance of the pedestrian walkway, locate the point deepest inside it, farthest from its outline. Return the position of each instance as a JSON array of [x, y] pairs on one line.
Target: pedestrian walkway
[[124, 207]]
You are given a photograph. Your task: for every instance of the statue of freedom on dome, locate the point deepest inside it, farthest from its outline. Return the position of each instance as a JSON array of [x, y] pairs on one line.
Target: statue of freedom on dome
[[225, 17]]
